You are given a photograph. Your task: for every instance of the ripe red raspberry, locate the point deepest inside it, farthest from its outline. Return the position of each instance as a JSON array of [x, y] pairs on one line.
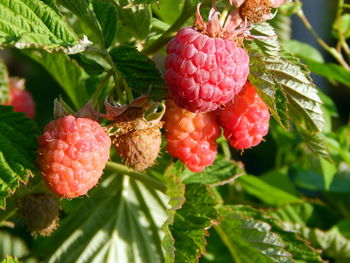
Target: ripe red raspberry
[[21, 99], [204, 72], [72, 155], [246, 120], [191, 136]]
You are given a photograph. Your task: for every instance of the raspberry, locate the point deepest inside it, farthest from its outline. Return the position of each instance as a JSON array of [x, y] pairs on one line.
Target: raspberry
[[40, 213], [246, 120], [138, 142], [139, 149], [191, 136], [72, 155], [21, 99], [204, 72]]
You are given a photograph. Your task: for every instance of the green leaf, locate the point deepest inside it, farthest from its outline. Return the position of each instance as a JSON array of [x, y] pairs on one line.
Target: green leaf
[[311, 180], [33, 24], [120, 222], [91, 66], [139, 71], [310, 214], [282, 24], [84, 10], [17, 150], [12, 245], [342, 26], [303, 51], [4, 84], [191, 222], [254, 237], [333, 243], [139, 2], [330, 71], [267, 193], [137, 18], [107, 16], [66, 72], [176, 194], [222, 171], [329, 170], [272, 69]]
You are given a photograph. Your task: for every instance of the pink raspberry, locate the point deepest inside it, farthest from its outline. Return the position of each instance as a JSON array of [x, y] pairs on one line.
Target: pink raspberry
[[21, 99], [204, 72], [191, 136], [246, 120], [72, 155]]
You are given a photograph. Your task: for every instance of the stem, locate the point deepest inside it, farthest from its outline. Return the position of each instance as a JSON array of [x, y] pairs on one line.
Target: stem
[[144, 178], [9, 214], [226, 149], [116, 75], [338, 56], [100, 87], [187, 11]]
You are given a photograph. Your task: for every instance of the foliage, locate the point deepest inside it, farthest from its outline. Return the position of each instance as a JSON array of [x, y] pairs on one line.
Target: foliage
[[285, 201]]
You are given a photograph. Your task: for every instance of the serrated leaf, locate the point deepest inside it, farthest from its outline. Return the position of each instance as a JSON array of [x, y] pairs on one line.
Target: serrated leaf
[[271, 68], [119, 222], [66, 72], [139, 71], [17, 150], [253, 237], [307, 219], [222, 171], [4, 84], [107, 16], [276, 69], [191, 222], [33, 24]]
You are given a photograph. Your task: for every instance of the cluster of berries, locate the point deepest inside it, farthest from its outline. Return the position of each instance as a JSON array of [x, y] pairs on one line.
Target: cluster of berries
[[207, 71]]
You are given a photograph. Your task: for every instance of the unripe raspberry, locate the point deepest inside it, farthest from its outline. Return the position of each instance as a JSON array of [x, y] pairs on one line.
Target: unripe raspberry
[[21, 99], [139, 149], [204, 72], [72, 155], [191, 136], [40, 213], [137, 141], [246, 120]]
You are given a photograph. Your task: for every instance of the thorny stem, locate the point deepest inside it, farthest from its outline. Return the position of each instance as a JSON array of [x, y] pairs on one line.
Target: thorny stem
[[146, 179], [338, 56]]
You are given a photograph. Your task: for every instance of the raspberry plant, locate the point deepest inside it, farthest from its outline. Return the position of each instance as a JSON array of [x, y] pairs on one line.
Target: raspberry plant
[[172, 91]]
